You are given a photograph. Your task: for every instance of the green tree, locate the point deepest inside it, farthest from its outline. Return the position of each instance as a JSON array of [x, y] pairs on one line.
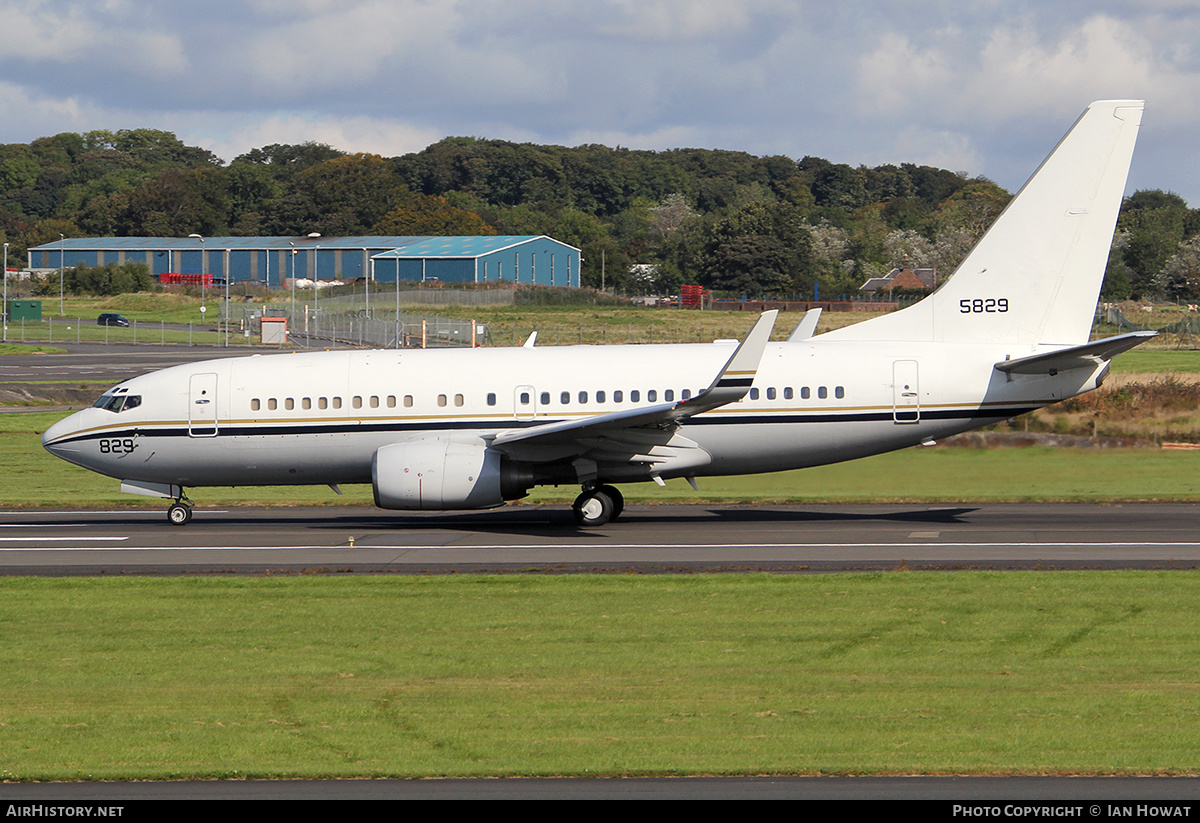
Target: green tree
[[343, 196], [1155, 221]]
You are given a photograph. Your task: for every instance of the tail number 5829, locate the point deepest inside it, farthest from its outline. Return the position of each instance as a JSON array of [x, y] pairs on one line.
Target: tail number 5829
[[979, 305]]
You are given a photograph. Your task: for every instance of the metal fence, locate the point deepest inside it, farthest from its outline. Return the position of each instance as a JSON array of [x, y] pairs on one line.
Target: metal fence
[[1182, 334], [341, 323]]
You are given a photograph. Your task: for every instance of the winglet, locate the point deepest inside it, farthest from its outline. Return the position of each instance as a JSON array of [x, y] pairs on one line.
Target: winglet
[[730, 385], [807, 326], [736, 378], [530, 341]]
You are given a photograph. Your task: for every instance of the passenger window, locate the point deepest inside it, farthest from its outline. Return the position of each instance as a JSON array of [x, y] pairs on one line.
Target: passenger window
[[669, 395], [524, 398], [600, 396], [374, 402], [787, 393], [635, 396], [583, 397], [687, 393], [804, 393], [337, 402], [754, 394], [652, 396], [408, 401], [839, 392], [289, 404], [441, 400], [391, 401], [618, 396], [356, 402], [564, 398], [322, 402], [545, 398], [254, 404], [458, 400], [271, 404], [822, 392], [306, 403], [491, 398], [771, 393]]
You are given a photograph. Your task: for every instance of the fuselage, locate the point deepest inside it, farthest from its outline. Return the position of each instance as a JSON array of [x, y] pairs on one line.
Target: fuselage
[[311, 418]]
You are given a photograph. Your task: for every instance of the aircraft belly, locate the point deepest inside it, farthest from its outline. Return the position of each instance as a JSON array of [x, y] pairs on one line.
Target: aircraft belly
[[246, 460], [769, 447]]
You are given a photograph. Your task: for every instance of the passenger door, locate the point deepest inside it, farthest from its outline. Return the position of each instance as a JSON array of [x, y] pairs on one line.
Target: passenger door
[[202, 405]]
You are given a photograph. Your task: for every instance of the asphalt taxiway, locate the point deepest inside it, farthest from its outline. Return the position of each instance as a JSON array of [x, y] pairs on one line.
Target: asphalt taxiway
[[648, 539]]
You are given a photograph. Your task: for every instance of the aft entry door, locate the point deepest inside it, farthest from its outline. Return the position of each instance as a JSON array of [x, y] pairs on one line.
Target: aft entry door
[[202, 405], [906, 394]]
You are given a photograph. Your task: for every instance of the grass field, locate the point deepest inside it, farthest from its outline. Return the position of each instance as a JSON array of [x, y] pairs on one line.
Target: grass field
[[894, 673], [902, 673]]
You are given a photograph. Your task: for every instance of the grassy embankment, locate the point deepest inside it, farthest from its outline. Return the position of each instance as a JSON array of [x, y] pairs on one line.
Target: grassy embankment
[[956, 673]]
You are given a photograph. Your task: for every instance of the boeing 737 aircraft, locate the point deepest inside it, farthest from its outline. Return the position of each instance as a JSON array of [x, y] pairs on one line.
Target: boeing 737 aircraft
[[473, 428]]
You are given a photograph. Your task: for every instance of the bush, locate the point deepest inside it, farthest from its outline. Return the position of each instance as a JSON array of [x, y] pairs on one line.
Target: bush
[[106, 280]]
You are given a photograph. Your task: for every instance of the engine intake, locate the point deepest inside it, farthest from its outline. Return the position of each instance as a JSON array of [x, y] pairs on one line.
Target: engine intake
[[441, 474]]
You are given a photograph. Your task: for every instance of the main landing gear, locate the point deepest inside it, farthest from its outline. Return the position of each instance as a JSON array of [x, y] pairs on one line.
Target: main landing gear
[[598, 505], [180, 512]]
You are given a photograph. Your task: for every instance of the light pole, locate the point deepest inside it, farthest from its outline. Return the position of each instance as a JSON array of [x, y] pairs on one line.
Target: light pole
[[203, 305], [293, 279], [316, 274], [5, 292], [62, 250], [226, 267]]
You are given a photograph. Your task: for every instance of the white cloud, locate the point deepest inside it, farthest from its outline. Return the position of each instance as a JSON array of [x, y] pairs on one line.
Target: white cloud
[[985, 87], [941, 149], [353, 135]]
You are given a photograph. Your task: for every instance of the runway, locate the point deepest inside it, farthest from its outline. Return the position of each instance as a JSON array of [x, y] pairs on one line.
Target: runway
[[647, 539]]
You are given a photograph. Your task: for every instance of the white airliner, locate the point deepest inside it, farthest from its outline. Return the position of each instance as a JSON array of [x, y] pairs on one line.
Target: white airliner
[[473, 428]]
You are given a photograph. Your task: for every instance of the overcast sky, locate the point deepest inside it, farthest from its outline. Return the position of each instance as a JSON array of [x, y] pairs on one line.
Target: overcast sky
[[985, 87]]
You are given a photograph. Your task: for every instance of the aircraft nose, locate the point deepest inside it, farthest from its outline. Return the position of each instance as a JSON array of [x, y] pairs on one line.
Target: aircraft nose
[[52, 438]]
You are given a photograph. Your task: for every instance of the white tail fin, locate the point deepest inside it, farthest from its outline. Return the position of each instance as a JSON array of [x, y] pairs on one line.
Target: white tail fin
[[1035, 276]]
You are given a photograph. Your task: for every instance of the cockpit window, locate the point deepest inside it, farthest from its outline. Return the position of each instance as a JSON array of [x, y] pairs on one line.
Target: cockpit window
[[118, 402]]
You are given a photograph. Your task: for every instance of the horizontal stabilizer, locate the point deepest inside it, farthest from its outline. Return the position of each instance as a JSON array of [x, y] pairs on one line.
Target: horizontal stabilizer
[[1085, 356]]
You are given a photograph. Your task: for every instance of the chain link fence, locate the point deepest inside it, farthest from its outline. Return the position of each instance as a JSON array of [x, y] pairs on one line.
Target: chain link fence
[[1181, 334], [341, 323]]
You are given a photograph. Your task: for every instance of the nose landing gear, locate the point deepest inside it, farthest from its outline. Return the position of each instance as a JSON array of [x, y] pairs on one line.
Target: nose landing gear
[[180, 512]]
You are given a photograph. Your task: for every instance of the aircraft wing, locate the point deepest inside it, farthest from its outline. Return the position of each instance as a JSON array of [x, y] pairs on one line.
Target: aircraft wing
[[729, 386], [1086, 355]]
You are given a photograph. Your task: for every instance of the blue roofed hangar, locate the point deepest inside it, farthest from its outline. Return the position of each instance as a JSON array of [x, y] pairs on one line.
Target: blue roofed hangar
[[274, 261]]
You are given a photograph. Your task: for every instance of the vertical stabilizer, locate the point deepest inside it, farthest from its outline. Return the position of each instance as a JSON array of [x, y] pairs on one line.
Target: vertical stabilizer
[[1035, 276]]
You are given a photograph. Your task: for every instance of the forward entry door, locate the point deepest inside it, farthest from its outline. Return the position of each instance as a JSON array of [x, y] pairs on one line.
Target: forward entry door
[[202, 405]]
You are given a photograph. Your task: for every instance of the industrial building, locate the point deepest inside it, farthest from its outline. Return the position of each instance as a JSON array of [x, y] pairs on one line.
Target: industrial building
[[274, 261]]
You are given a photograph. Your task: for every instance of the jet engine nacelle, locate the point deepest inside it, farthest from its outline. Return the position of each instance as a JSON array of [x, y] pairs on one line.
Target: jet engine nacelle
[[438, 474]]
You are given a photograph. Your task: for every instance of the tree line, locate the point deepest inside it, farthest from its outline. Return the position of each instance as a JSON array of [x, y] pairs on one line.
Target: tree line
[[734, 222]]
